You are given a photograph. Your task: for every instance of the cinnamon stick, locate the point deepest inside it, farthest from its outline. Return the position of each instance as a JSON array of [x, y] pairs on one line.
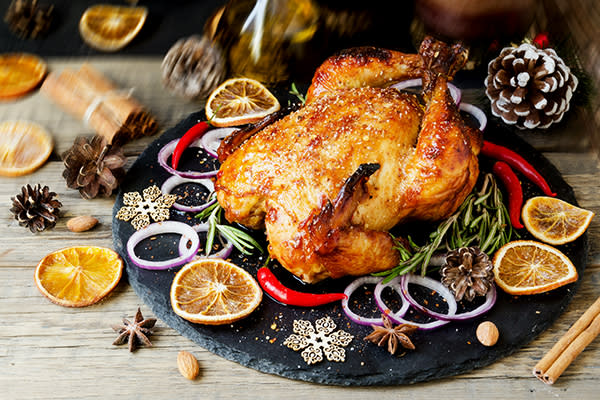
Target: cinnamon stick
[[137, 121], [562, 354], [68, 92], [112, 112]]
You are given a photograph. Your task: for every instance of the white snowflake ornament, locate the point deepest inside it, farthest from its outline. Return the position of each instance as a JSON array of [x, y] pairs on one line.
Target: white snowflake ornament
[[316, 341]]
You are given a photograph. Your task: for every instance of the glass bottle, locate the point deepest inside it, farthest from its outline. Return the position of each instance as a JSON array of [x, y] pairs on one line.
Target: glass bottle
[[268, 39]]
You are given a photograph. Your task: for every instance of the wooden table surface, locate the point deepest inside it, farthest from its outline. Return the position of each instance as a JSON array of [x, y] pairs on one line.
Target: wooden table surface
[[51, 352]]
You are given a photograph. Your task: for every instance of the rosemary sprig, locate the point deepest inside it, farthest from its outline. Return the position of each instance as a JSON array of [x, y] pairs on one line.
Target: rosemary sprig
[[240, 239], [294, 91], [482, 220]]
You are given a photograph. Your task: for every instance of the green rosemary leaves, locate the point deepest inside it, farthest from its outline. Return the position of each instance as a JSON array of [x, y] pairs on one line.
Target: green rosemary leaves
[[237, 237], [482, 220]]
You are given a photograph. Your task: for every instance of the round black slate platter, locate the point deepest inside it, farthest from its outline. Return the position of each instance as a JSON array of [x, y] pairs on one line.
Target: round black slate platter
[[256, 341]]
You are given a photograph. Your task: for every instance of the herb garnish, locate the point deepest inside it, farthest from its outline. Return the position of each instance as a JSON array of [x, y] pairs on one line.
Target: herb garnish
[[240, 239], [482, 220], [294, 91]]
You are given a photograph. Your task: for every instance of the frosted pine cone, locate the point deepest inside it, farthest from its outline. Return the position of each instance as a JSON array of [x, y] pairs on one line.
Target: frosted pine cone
[[193, 67], [529, 87]]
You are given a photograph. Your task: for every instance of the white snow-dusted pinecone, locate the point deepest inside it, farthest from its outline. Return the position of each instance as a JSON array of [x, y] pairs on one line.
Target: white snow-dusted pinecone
[[529, 87]]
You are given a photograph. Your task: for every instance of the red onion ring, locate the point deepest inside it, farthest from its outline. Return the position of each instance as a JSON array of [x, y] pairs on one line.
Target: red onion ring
[[395, 285], [211, 140], [455, 92], [475, 112], [424, 326], [433, 285], [349, 290], [167, 150], [203, 227], [177, 180], [398, 319], [187, 233], [490, 300]]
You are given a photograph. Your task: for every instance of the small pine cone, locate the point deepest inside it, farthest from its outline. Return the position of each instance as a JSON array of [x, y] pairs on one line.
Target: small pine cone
[[94, 168], [36, 208], [467, 272], [28, 20], [529, 87], [193, 67]]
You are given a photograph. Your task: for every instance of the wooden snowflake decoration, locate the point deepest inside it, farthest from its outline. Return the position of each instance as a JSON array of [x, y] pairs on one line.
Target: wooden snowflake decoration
[[139, 210], [318, 340]]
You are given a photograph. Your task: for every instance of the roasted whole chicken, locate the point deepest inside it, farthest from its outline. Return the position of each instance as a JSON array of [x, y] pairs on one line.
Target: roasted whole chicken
[[329, 180]]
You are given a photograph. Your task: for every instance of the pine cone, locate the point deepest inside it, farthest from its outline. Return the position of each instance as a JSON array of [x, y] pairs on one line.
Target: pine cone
[[529, 87], [36, 208], [94, 168], [467, 272], [28, 20], [193, 67]]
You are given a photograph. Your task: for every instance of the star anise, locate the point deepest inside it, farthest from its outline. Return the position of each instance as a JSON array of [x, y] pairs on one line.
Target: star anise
[[392, 335], [135, 333]]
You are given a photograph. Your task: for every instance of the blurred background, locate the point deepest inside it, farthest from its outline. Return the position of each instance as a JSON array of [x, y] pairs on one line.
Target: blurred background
[[296, 35]]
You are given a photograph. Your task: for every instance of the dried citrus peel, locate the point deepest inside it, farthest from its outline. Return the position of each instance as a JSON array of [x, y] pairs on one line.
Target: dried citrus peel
[[24, 147]]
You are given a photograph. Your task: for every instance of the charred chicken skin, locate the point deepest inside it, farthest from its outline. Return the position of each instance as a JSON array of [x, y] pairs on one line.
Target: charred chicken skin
[[328, 181]]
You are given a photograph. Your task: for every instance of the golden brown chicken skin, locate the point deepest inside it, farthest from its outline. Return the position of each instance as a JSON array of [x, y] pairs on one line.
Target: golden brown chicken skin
[[328, 181]]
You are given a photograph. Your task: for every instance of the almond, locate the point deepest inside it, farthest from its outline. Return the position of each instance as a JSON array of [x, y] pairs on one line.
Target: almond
[[188, 365], [487, 333], [82, 223]]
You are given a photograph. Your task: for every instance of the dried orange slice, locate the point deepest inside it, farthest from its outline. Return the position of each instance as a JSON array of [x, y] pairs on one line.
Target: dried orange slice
[[78, 276], [529, 267], [555, 221], [214, 292], [20, 73], [110, 28], [239, 101], [24, 147]]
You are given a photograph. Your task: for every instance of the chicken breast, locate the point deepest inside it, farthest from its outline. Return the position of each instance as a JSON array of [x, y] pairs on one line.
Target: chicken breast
[[328, 181]]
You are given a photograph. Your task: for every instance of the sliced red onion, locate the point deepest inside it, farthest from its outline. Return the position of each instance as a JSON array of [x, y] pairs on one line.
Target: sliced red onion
[[407, 84], [177, 180], [490, 300], [475, 112], [349, 290], [455, 92], [211, 140], [203, 227], [167, 150], [433, 285], [223, 253], [187, 234], [421, 325], [395, 285]]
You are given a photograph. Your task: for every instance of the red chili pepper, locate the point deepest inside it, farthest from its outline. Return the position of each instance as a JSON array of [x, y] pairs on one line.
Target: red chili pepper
[[519, 163], [275, 289], [515, 192], [188, 138]]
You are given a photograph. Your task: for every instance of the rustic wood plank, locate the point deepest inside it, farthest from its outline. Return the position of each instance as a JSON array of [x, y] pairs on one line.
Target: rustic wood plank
[[70, 351]]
